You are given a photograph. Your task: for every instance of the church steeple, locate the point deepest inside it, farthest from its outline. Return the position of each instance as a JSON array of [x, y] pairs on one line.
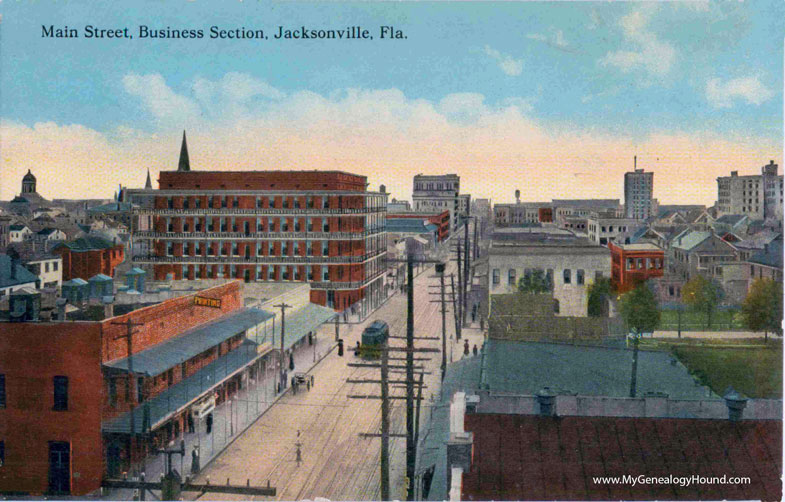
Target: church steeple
[[184, 164], [148, 184]]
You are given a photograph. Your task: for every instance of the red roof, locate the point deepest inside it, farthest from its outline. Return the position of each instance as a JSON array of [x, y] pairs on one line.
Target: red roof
[[530, 457]]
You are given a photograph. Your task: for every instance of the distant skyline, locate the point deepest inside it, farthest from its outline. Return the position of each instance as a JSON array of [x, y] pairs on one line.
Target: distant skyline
[[553, 99]]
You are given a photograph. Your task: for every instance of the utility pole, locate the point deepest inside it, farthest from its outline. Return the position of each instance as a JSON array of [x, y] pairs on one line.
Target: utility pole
[[385, 450], [283, 307], [460, 291], [455, 307], [476, 248], [440, 271], [130, 325], [466, 276], [411, 448]]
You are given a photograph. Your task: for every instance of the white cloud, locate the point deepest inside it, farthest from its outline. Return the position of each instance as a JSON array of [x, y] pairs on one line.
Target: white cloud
[[378, 133], [650, 54], [159, 99], [510, 66], [750, 89], [555, 39]]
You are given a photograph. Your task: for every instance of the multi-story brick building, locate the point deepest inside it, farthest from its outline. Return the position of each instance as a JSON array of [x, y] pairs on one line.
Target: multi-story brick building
[[440, 219], [633, 264], [87, 256], [321, 227], [67, 397]]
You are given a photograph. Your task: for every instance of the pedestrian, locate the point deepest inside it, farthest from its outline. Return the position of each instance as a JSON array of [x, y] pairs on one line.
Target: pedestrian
[[299, 455], [474, 350], [190, 423], [466, 347], [209, 423]]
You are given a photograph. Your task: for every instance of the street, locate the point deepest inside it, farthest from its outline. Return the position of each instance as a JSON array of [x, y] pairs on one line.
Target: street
[[335, 462]]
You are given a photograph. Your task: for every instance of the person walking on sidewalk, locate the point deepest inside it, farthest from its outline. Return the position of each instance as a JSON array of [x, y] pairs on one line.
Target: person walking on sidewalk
[[466, 347], [474, 349]]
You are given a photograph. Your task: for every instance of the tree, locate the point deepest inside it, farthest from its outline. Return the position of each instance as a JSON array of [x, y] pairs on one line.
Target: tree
[[534, 281], [598, 293], [640, 311], [702, 295], [762, 308]]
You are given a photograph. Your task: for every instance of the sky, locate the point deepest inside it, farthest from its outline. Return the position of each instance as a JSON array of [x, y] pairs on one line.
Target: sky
[[552, 98]]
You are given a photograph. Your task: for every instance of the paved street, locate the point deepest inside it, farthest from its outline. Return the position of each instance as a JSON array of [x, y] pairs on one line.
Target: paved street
[[335, 462]]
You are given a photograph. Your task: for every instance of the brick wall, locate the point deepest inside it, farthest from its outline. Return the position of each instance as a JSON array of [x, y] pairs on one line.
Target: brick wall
[[31, 354], [261, 180]]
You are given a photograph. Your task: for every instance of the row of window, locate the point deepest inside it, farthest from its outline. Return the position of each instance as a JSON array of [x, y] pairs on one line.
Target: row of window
[[644, 263], [288, 248], [59, 393], [262, 225], [580, 276], [223, 201]]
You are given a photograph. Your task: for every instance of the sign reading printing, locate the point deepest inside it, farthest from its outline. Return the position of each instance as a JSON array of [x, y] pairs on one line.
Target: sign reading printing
[[201, 301]]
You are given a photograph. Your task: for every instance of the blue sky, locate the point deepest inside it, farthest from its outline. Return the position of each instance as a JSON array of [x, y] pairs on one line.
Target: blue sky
[[625, 71]]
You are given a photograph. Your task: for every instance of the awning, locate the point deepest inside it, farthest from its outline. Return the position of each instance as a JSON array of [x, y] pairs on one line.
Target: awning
[[299, 322], [192, 342], [173, 399]]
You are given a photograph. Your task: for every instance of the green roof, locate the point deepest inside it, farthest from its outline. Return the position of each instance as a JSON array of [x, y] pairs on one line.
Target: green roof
[[23, 276], [691, 240], [87, 243], [526, 367], [298, 323]]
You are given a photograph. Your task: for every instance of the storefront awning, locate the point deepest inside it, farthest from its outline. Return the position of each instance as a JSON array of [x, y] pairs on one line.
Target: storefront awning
[[173, 399], [299, 323], [192, 342]]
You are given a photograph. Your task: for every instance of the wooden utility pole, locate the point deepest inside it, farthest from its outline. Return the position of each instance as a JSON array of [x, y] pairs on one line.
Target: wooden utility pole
[[130, 325], [466, 276], [384, 462], [455, 308], [440, 271], [283, 307], [411, 447], [460, 292]]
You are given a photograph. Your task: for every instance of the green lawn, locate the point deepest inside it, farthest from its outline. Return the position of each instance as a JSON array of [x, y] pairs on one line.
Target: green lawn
[[725, 320], [753, 371]]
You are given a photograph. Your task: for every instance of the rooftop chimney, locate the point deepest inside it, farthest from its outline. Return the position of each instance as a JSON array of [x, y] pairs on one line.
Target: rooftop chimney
[[736, 404], [547, 401]]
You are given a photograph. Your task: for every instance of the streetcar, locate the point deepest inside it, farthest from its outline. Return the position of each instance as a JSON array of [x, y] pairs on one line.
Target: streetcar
[[373, 337]]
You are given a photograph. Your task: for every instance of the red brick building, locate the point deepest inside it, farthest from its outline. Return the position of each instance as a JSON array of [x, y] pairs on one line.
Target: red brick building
[[88, 256], [321, 227], [55, 416], [632, 264], [441, 220]]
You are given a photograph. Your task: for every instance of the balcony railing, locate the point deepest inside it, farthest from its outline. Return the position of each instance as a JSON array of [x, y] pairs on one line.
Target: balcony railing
[[345, 285], [260, 235], [259, 260], [258, 211]]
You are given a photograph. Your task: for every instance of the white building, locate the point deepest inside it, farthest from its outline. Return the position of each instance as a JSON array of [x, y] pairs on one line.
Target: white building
[[50, 235], [20, 233], [436, 193], [571, 263], [602, 230], [638, 187], [758, 196]]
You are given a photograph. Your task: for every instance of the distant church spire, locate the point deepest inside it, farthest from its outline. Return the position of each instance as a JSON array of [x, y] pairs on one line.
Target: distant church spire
[[148, 183], [184, 164]]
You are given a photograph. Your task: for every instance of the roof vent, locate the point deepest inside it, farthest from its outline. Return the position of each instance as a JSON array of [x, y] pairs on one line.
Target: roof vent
[[547, 401], [735, 403]]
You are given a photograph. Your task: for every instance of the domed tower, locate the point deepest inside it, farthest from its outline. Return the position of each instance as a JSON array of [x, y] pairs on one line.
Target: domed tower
[[28, 183]]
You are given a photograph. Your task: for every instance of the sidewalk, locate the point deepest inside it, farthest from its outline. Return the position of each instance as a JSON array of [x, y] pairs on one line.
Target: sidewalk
[[231, 418]]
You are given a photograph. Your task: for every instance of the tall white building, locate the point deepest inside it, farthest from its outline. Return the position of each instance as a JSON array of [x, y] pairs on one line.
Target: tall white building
[[758, 196], [638, 187], [436, 193]]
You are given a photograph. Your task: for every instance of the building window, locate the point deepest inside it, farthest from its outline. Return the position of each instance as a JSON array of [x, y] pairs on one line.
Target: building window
[[284, 248], [284, 225], [270, 273], [511, 277], [309, 248], [567, 276], [325, 273], [580, 277], [60, 393], [285, 203], [325, 248], [496, 276]]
